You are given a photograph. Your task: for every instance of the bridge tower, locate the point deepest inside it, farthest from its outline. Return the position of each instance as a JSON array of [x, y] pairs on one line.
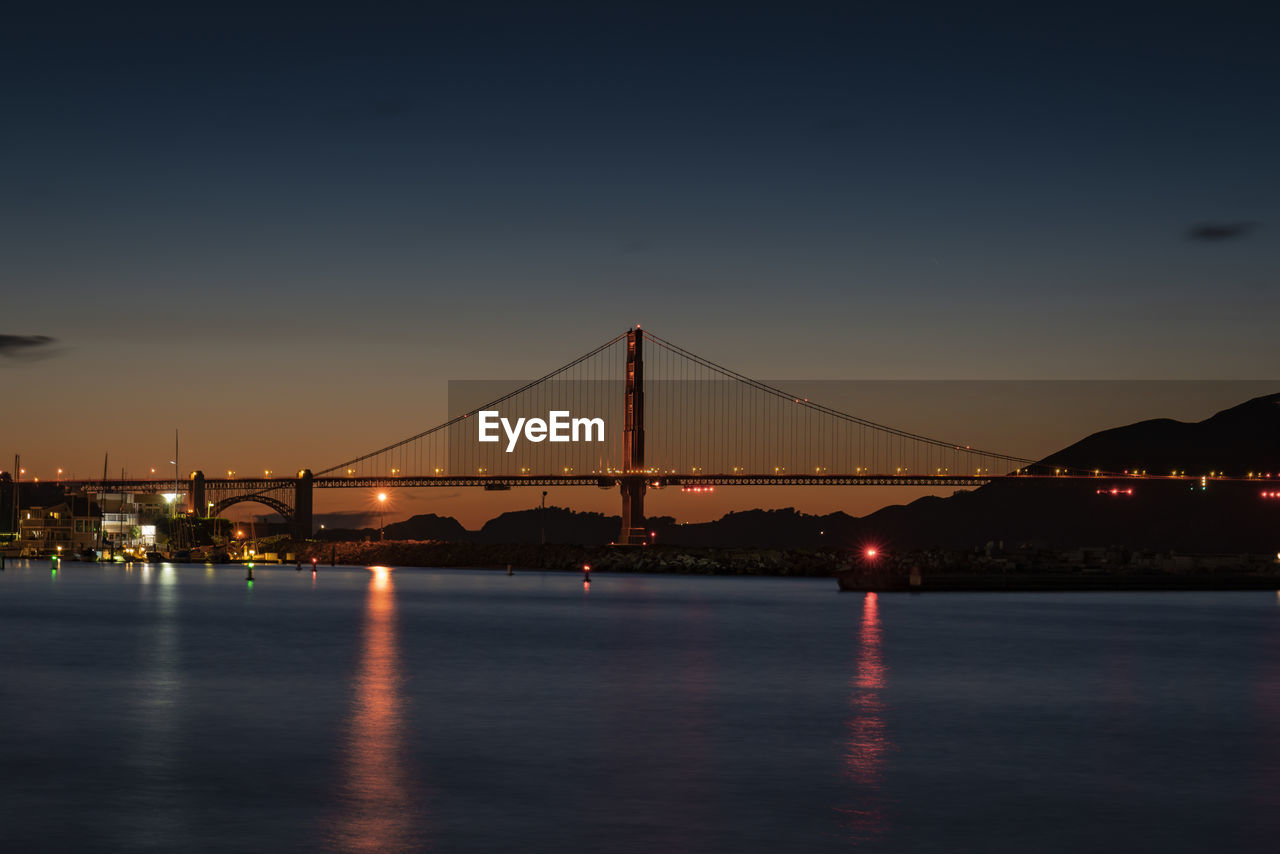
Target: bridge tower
[[302, 506], [634, 480]]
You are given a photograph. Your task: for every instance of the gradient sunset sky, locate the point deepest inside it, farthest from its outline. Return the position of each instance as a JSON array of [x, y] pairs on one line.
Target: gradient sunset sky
[[284, 230]]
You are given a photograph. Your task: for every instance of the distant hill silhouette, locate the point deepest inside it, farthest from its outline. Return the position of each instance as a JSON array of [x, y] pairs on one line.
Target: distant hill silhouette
[[557, 523], [1162, 514], [428, 527], [1243, 439]]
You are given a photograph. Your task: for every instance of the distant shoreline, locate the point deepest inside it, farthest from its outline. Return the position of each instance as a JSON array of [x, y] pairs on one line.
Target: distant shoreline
[[849, 581], [918, 571], [935, 571]]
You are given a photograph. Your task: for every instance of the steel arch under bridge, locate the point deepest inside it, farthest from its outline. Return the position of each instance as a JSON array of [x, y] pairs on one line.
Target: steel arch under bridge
[[282, 507]]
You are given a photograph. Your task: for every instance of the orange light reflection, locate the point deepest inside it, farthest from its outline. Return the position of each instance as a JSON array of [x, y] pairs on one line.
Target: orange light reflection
[[380, 811]]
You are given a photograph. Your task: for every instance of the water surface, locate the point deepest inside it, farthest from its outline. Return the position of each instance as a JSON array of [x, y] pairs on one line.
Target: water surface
[[165, 708]]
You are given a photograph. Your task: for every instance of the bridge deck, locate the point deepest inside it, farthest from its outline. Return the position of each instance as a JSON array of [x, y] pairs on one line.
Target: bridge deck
[[612, 479]]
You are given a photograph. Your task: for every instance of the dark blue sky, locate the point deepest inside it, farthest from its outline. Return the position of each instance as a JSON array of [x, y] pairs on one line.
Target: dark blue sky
[[380, 200]]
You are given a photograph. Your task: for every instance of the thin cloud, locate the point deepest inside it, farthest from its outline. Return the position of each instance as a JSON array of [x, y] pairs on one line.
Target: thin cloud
[[26, 346], [1219, 230]]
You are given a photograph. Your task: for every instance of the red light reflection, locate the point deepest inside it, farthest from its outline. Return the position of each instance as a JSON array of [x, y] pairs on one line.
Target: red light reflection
[[868, 739]]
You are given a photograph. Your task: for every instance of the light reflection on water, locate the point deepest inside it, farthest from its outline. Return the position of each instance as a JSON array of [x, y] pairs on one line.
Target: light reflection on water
[[380, 810], [868, 739], [157, 720]]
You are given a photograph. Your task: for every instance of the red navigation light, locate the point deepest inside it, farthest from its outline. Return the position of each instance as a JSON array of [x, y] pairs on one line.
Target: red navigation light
[[871, 552]]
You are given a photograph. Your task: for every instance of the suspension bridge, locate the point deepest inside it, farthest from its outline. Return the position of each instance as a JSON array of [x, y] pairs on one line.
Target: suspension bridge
[[669, 419]]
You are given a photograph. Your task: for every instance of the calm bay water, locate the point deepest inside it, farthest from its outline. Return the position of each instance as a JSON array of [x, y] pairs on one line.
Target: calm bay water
[[176, 708]]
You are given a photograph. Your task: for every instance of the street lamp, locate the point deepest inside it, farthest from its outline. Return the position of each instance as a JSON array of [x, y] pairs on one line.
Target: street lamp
[[382, 508]]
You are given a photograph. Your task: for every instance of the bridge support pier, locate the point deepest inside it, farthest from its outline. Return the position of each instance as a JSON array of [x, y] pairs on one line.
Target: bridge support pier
[[199, 508], [633, 527], [302, 518]]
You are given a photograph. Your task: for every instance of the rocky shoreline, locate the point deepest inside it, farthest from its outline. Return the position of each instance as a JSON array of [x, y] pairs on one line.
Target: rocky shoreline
[[651, 559]]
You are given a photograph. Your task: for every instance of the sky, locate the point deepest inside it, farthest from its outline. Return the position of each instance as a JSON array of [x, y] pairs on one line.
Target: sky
[[283, 230]]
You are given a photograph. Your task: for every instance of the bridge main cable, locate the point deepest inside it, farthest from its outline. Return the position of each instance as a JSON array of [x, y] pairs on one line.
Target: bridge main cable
[[826, 410], [491, 404]]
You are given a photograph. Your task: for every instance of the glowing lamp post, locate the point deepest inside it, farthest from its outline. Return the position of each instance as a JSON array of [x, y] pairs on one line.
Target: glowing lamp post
[[382, 508]]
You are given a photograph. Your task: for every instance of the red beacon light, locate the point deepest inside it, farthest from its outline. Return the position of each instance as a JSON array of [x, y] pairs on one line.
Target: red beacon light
[[871, 552]]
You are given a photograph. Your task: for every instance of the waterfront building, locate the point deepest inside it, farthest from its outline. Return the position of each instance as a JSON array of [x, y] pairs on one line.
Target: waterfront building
[[67, 527], [129, 518]]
